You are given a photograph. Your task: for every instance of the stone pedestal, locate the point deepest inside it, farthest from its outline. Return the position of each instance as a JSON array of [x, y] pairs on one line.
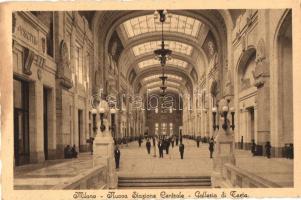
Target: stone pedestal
[[223, 153], [103, 153]]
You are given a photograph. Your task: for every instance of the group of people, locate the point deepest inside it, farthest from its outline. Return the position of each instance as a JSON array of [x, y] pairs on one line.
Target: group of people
[[163, 144], [267, 147], [70, 152]]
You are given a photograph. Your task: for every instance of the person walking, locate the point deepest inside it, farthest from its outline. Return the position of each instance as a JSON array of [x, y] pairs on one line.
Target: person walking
[[177, 141], [181, 149], [160, 147], [253, 147], [139, 141], [198, 142], [268, 149], [154, 141], [117, 156], [172, 142], [211, 146], [167, 144], [148, 146]]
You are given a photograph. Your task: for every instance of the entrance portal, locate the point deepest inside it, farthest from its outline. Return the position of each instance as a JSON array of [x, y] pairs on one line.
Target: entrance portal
[[21, 122]]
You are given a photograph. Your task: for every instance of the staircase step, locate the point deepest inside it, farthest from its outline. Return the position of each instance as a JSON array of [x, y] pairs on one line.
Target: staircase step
[[207, 184], [165, 181], [162, 177]]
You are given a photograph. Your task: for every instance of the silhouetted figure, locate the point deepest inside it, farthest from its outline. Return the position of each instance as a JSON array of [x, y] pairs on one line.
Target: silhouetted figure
[[181, 139], [198, 142], [181, 149], [177, 141], [154, 141], [160, 147], [140, 141], [74, 152], [211, 146], [172, 142], [67, 152], [117, 156], [253, 147], [167, 144], [268, 149], [148, 146]]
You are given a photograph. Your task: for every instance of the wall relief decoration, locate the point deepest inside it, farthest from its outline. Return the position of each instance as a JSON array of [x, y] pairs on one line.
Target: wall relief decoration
[[260, 71], [64, 72], [260, 53], [27, 62], [210, 49]]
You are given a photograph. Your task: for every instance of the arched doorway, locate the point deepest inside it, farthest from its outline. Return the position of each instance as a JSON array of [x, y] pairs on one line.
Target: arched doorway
[[247, 94]]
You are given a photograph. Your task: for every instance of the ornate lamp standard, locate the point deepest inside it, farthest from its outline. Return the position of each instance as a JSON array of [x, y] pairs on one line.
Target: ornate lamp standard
[[224, 141], [103, 145]]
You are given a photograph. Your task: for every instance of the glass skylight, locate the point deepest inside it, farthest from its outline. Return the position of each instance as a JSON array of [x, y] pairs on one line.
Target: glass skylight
[[148, 62], [158, 75], [157, 89], [172, 45], [174, 23], [168, 83], [173, 61]]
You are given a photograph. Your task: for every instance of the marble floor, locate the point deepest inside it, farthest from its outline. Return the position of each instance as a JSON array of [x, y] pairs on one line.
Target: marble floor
[[52, 173], [136, 162]]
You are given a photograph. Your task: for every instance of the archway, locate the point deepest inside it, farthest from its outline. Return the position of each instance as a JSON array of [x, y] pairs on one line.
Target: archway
[[284, 133]]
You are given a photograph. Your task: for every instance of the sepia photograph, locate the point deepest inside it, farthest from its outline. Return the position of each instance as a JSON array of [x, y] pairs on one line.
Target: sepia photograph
[[143, 99]]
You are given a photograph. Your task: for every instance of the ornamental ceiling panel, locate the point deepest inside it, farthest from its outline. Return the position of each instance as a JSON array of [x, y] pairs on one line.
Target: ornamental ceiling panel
[[149, 47], [174, 23]]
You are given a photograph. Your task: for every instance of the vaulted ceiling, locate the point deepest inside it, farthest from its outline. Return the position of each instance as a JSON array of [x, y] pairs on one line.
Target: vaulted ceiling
[[142, 35], [185, 33]]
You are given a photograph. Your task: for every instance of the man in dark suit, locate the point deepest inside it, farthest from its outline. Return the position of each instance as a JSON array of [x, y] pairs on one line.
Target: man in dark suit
[[117, 156], [140, 141], [160, 147], [148, 146], [211, 146], [181, 149], [154, 141]]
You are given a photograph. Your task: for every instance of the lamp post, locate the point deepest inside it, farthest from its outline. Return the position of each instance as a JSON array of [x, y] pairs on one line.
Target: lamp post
[[232, 116], [113, 112], [94, 113], [224, 150], [214, 112], [101, 112]]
